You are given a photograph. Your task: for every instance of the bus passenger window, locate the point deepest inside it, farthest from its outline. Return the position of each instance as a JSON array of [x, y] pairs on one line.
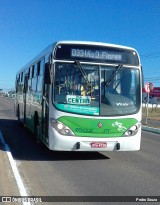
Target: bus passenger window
[[35, 70], [32, 71], [29, 70], [34, 79], [29, 78], [40, 75], [21, 77], [41, 67], [38, 69], [17, 83]]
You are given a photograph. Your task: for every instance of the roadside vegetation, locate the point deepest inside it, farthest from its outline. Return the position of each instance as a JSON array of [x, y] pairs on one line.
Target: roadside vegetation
[[153, 117]]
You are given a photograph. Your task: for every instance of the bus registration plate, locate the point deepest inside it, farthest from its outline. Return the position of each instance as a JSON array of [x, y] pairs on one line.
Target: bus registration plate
[[98, 144]]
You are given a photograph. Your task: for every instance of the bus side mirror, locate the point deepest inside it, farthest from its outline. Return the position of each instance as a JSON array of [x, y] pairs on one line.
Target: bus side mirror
[[47, 74]]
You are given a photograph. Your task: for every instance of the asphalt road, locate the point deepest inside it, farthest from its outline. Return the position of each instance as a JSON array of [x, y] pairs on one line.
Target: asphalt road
[[48, 173]]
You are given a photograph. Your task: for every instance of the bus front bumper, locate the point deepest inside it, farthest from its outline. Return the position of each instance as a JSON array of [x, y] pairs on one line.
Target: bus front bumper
[[73, 143]]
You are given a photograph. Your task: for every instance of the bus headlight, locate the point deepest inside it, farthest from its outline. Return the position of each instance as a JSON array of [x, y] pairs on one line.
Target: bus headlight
[[132, 130], [61, 128]]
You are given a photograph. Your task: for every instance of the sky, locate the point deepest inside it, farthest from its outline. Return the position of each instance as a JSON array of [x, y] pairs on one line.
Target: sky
[[29, 26]]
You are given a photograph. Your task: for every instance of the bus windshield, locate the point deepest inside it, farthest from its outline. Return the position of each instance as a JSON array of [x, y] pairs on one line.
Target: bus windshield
[[96, 90]]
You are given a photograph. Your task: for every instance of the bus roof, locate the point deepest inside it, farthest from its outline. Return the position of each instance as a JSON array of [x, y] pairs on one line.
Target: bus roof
[[94, 43]]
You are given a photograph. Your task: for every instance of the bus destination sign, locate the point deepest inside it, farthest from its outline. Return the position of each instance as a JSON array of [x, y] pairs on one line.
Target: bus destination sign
[[95, 54]]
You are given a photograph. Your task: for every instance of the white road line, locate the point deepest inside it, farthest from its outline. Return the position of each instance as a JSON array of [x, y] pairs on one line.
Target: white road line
[[20, 184]]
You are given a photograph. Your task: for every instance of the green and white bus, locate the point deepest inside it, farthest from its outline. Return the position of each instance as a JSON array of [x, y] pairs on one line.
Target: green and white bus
[[82, 96]]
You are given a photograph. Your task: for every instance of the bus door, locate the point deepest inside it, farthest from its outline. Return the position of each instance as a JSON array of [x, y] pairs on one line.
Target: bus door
[[25, 96], [45, 113], [45, 102], [28, 94]]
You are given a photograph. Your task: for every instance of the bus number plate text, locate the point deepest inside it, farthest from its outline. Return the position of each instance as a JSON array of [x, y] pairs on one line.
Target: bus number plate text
[[98, 144]]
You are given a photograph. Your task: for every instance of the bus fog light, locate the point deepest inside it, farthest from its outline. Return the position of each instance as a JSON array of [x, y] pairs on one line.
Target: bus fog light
[[61, 128], [65, 132], [129, 132]]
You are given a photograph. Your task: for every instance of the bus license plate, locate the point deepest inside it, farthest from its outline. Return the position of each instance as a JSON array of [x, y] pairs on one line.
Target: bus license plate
[[98, 144]]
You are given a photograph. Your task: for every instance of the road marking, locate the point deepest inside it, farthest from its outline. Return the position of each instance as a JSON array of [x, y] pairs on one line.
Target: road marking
[[17, 176]]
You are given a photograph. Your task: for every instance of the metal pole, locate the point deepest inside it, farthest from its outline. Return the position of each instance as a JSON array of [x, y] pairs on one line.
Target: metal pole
[[147, 107]]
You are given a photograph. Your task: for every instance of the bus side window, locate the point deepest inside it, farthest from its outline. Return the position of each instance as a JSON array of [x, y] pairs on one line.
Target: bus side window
[[33, 71], [29, 78], [21, 81], [17, 83], [40, 67], [22, 77], [34, 79], [29, 70]]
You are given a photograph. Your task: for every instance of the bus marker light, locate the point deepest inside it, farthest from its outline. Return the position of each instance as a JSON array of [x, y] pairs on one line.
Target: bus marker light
[[98, 144]]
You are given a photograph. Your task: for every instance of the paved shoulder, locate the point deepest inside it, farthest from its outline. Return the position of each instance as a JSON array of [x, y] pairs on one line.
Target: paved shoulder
[[151, 129], [8, 185]]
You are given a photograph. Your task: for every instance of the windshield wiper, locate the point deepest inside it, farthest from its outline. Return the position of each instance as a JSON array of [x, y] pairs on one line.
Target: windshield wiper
[[118, 68], [83, 73]]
